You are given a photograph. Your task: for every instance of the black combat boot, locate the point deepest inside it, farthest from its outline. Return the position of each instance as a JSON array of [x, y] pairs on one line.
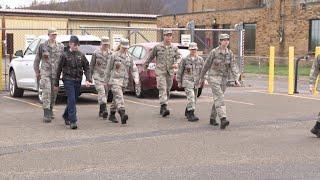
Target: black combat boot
[[46, 116], [102, 109], [51, 112], [224, 123], [123, 115], [186, 112], [191, 117], [214, 122], [164, 110], [316, 129], [112, 117]]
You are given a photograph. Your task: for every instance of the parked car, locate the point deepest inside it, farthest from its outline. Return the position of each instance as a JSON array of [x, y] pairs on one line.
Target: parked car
[[22, 76], [140, 53]]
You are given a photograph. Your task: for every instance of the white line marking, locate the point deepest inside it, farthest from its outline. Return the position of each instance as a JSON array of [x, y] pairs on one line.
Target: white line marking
[[233, 101], [287, 95], [26, 102], [135, 102]]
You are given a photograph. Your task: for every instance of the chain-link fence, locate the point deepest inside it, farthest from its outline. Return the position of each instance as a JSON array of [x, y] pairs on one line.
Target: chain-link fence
[[207, 39]]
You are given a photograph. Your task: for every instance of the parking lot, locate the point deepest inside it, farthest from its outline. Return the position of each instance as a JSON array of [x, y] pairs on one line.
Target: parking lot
[[268, 138]]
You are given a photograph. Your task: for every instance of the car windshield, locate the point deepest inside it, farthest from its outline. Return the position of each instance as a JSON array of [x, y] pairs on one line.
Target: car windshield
[[86, 47]]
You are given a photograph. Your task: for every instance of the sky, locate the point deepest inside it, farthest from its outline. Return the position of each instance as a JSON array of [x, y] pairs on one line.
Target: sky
[[17, 3]]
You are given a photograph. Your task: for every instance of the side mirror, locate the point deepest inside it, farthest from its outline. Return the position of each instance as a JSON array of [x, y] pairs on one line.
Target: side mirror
[[19, 53]]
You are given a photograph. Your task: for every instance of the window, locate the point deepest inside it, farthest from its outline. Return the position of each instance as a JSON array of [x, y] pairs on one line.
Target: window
[[250, 38], [32, 48], [137, 52], [314, 35]]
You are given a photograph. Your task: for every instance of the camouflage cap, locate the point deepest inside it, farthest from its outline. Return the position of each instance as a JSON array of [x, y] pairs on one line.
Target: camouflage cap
[[52, 31], [105, 40], [167, 31], [124, 43], [224, 36], [193, 45]]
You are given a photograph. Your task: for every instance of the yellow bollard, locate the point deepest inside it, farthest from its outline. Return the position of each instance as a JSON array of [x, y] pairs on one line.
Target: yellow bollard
[[271, 70], [291, 71], [1, 65], [315, 92]]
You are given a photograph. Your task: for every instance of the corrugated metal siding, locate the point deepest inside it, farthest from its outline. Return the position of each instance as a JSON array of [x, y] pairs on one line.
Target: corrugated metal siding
[[141, 36], [31, 23]]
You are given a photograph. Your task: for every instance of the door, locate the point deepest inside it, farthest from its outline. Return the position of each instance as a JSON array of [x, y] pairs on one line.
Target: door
[[25, 74]]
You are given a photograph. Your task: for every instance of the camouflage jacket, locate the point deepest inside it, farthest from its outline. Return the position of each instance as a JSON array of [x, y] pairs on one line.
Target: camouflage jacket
[[72, 65], [98, 65], [314, 72], [119, 68], [219, 64], [50, 63], [166, 57], [189, 71]]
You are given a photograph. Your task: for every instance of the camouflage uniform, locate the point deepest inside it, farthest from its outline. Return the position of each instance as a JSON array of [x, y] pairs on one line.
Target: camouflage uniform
[[314, 72], [188, 76], [98, 66], [49, 56], [118, 69], [167, 56], [218, 65]]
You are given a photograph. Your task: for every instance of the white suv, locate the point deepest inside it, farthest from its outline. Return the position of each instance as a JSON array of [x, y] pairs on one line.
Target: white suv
[[22, 76]]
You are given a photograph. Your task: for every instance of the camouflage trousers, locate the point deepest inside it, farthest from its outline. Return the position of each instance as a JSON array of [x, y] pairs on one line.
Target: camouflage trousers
[[164, 84], [218, 107], [117, 101], [49, 96], [191, 98], [102, 90]]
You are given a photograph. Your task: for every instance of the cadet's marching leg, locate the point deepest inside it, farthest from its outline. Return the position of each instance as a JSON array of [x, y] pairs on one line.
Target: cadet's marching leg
[[163, 96]]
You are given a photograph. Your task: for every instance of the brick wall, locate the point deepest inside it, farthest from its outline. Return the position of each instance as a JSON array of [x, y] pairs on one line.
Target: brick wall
[[202, 5], [295, 20]]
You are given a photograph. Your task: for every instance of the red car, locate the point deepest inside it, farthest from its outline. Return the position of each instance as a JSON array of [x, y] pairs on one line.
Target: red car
[[140, 53]]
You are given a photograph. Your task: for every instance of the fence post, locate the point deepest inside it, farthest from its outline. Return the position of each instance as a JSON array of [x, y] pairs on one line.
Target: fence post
[[271, 70], [1, 69], [317, 52], [291, 71], [239, 27], [191, 26]]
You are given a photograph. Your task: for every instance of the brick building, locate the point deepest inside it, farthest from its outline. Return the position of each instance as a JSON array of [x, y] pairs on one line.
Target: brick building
[[281, 23]]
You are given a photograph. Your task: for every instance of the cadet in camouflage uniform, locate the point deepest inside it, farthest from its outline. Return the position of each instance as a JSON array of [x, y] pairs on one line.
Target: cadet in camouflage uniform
[[313, 77], [98, 66], [118, 69], [188, 76], [167, 58], [219, 63], [48, 54]]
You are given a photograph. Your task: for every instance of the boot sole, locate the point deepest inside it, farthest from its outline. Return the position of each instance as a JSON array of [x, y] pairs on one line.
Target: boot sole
[[313, 131], [223, 126], [166, 113], [124, 119]]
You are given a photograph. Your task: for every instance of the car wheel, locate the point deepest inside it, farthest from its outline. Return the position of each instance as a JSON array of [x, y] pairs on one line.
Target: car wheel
[[14, 90], [138, 91], [199, 92]]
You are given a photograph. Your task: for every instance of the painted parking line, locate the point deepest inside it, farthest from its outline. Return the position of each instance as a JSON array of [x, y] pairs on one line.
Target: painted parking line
[[22, 101], [286, 95], [234, 101], [135, 102]]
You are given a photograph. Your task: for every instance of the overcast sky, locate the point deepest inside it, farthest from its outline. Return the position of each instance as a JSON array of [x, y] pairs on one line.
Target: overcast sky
[[17, 3]]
